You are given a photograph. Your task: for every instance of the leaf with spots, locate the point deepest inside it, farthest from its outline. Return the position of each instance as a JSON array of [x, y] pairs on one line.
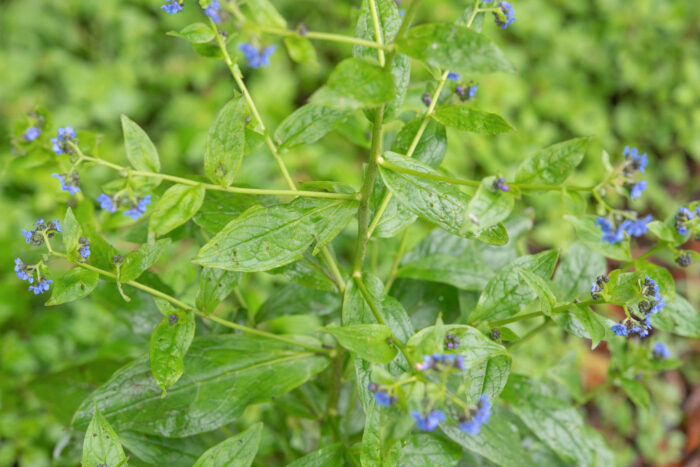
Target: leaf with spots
[[169, 343]]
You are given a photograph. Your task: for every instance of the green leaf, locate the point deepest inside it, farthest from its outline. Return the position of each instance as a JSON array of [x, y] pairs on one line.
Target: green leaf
[[490, 377], [236, 451], [329, 456], [214, 286], [590, 235], [553, 164], [169, 343], [577, 271], [223, 152], [678, 317], [71, 232], [140, 260], [73, 285], [140, 151], [507, 293], [453, 47], [266, 14], [369, 341], [308, 124], [589, 320], [498, 441], [555, 422], [223, 375], [623, 287], [157, 450], [438, 202], [541, 287], [665, 232], [487, 207], [660, 274], [218, 209], [358, 82], [265, 238], [175, 207], [468, 273], [195, 33], [301, 50], [424, 450], [101, 445], [469, 119], [636, 392], [431, 146]]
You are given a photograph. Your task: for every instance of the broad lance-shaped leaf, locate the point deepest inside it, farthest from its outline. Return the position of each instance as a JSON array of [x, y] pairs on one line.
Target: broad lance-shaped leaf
[[158, 450], [237, 451], [435, 200], [489, 377], [140, 150], [678, 317], [101, 445], [577, 271], [169, 343], [214, 286], [541, 287], [555, 422], [356, 82], [590, 235], [265, 238], [636, 392], [301, 50], [195, 33], [223, 375], [138, 261], [225, 145], [219, 208], [369, 341], [591, 322], [506, 293], [308, 124], [424, 450], [468, 119], [487, 207], [73, 285], [553, 164], [453, 47], [266, 14], [177, 205], [623, 286], [329, 456], [71, 232]]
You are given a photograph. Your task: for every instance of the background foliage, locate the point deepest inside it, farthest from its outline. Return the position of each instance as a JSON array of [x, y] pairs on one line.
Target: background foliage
[[623, 73]]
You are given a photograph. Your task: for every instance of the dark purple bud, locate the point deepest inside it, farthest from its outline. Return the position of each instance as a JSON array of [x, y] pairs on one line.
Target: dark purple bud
[[427, 100], [495, 334], [172, 319]]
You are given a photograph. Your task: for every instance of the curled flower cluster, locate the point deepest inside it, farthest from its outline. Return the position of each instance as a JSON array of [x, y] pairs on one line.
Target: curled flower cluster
[[255, 57], [36, 237], [500, 184], [26, 272], [684, 260], [382, 398], [439, 362], [70, 182], [683, 217], [652, 303], [135, 211], [634, 162], [466, 93], [451, 341], [615, 234], [59, 144], [483, 414], [598, 286], [504, 15]]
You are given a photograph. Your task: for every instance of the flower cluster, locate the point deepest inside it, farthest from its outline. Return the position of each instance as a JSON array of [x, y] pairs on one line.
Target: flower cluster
[[598, 286], [634, 162], [59, 144], [453, 76], [683, 217], [466, 93], [428, 422], [651, 304], [382, 398], [439, 362], [136, 208], [26, 272], [615, 234], [255, 57], [172, 7], [684, 260], [83, 249], [504, 15], [213, 11], [451, 341], [480, 417], [70, 182], [500, 184], [36, 237]]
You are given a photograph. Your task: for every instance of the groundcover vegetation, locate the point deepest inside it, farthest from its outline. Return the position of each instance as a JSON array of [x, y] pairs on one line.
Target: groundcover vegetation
[[349, 233]]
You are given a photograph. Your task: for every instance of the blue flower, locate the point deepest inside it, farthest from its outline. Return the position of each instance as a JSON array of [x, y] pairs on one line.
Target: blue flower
[[471, 91], [594, 290], [453, 76], [430, 422], [620, 329], [41, 287], [436, 361], [84, 249], [482, 416], [255, 57], [140, 209], [55, 225], [21, 270], [506, 12], [383, 398], [28, 235], [172, 7], [638, 189], [682, 217], [59, 143], [213, 11], [660, 351], [610, 235], [107, 203], [69, 183], [638, 227], [637, 162], [32, 133]]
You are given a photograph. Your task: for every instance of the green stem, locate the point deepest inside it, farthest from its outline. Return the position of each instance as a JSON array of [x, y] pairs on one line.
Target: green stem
[[325, 36], [528, 186], [378, 36], [185, 306], [443, 178], [516, 319], [397, 261]]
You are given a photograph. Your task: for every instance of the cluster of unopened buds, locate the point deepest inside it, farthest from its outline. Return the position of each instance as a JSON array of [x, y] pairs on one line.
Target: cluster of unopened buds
[[651, 303], [598, 286]]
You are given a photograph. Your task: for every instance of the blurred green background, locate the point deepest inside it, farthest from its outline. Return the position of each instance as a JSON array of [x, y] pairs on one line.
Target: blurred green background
[[623, 72]]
